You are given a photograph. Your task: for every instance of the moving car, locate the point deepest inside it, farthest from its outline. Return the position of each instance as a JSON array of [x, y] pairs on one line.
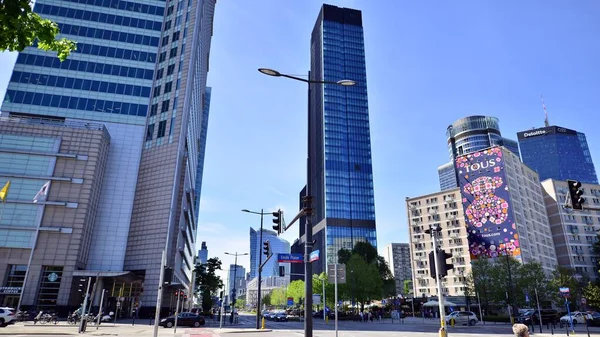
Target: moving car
[[183, 319], [280, 317], [462, 318], [7, 316]]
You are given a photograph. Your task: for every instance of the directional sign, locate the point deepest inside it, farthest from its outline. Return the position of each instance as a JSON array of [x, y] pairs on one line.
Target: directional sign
[[341, 273], [314, 256], [290, 258]]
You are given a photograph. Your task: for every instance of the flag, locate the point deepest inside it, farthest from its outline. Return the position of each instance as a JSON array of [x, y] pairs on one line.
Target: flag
[[4, 191], [42, 193]]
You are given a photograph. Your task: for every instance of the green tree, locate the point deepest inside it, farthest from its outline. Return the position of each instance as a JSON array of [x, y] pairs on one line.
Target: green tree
[[278, 297], [591, 292], [208, 282], [296, 290], [21, 28]]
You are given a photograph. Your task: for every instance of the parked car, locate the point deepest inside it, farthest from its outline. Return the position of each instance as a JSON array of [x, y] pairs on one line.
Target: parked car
[[183, 319], [280, 317], [7, 316], [462, 318], [576, 316]]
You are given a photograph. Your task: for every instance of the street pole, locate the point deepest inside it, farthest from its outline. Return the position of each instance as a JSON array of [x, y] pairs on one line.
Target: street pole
[[100, 309], [258, 311], [336, 299], [161, 282], [308, 319], [438, 267], [85, 300]]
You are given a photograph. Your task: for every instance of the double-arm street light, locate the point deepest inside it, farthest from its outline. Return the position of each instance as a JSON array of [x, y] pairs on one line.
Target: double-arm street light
[[262, 214], [233, 291], [308, 242]]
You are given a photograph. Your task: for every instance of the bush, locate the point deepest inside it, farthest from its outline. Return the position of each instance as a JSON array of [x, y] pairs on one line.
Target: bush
[[499, 319]]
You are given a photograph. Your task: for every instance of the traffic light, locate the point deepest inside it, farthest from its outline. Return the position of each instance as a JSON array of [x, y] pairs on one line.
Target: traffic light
[[267, 248], [444, 267], [576, 193], [168, 276], [281, 271], [278, 216], [432, 265], [307, 203]]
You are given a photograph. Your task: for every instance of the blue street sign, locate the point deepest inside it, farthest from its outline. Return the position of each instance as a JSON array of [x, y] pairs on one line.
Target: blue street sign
[[290, 258], [314, 256]]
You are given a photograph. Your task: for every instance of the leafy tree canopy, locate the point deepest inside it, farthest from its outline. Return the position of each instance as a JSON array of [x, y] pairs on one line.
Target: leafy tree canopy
[[21, 28]]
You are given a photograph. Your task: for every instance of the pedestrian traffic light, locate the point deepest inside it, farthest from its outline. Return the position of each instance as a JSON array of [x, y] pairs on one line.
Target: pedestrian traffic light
[[281, 271], [278, 216], [267, 248], [168, 275], [444, 267], [575, 192]]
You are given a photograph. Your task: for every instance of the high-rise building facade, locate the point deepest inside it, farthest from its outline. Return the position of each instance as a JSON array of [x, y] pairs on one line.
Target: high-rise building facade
[[203, 253], [164, 217], [140, 70], [278, 246], [574, 231], [468, 135], [558, 153], [237, 274], [340, 174], [397, 256]]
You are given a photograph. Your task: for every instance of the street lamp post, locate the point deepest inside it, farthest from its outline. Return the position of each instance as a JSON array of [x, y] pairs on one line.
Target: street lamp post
[[308, 242], [262, 214], [234, 280]]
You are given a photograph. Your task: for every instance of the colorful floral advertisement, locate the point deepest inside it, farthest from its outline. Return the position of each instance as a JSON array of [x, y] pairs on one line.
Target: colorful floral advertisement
[[486, 201]]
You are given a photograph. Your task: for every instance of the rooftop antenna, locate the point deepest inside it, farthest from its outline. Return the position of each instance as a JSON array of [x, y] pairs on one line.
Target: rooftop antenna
[[546, 123]]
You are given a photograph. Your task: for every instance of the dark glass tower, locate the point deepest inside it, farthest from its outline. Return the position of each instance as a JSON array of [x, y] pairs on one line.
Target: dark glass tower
[[340, 175], [558, 153]]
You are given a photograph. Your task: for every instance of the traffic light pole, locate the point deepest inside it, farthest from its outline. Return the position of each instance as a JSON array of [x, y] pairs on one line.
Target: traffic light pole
[[438, 279]]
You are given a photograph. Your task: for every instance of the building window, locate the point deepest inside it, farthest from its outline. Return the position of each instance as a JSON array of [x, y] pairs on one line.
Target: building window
[[49, 287], [162, 127]]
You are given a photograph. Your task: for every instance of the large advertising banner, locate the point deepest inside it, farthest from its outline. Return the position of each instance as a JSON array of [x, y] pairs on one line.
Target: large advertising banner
[[486, 201]]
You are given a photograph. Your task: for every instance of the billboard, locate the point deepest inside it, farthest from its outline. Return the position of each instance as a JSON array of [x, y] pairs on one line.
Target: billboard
[[486, 202]]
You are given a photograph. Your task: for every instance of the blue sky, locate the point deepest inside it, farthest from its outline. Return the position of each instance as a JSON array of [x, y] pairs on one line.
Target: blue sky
[[428, 64]]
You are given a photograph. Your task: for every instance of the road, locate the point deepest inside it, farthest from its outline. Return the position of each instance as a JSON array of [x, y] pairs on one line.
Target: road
[[247, 323]]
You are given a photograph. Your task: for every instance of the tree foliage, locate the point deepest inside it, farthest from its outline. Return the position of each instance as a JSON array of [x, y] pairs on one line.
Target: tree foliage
[[208, 282], [21, 28], [278, 297]]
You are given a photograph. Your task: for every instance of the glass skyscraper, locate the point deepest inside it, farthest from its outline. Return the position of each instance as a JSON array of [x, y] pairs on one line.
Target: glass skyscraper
[[558, 153], [340, 174], [468, 135]]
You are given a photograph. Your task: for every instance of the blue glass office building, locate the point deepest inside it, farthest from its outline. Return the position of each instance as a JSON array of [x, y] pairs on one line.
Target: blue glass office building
[[558, 153], [340, 174]]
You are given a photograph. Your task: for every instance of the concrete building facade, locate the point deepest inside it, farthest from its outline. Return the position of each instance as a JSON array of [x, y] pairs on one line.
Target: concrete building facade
[[58, 229], [397, 256], [574, 232]]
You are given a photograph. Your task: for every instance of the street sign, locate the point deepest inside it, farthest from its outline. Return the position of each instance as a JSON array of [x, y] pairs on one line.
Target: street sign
[[290, 258], [341, 273], [290, 301], [314, 256], [316, 299]]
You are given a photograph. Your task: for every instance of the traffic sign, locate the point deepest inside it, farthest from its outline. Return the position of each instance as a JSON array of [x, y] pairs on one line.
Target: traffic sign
[[314, 256], [341, 273], [290, 258]]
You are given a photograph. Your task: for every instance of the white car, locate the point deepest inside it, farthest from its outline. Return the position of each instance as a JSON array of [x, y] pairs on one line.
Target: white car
[[7, 316], [576, 316], [462, 318]]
